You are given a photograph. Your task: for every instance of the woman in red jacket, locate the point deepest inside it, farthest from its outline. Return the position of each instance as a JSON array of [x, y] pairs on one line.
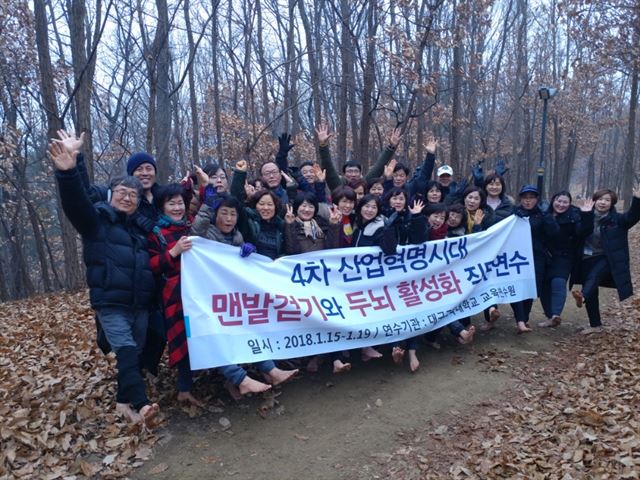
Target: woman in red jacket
[[167, 242]]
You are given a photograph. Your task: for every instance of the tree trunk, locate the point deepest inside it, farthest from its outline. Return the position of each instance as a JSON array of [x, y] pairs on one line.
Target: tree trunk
[[215, 47], [83, 72], [163, 101], [369, 79], [73, 271], [456, 109], [195, 128], [628, 177]]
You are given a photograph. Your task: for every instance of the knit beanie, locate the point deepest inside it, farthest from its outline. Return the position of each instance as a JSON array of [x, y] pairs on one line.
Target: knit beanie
[[138, 159]]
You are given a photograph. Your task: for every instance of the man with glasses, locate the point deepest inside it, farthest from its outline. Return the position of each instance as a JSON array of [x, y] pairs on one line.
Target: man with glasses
[[271, 177], [121, 284], [352, 170]]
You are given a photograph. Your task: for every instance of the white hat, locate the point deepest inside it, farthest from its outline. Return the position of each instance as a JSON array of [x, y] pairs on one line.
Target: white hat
[[445, 170]]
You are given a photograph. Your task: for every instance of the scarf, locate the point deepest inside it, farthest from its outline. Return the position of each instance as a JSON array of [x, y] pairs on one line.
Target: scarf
[[470, 222], [165, 221], [347, 229], [311, 229]]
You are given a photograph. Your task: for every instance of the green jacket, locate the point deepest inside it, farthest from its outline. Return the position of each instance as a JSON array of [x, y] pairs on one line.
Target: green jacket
[[334, 179]]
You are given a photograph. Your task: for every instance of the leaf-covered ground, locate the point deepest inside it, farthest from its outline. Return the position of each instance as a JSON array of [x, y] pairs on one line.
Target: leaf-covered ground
[[575, 412], [56, 395]]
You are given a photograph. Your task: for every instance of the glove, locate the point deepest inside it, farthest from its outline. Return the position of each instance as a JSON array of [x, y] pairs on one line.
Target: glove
[[478, 176], [210, 196], [247, 249], [284, 141], [501, 167]]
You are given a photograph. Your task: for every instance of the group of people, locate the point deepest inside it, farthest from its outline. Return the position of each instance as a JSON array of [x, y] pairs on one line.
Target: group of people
[[134, 232]]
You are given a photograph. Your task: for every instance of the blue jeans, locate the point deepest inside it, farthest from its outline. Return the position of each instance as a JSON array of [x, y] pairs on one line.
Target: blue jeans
[[185, 377], [126, 330], [123, 327], [553, 296], [235, 373], [457, 326]]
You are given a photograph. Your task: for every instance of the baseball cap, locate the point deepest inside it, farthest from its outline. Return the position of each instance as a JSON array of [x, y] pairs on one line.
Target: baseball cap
[[444, 170], [529, 189]]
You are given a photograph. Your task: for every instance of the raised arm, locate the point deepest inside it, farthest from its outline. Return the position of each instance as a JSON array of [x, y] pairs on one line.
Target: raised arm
[[75, 202], [323, 134], [385, 156]]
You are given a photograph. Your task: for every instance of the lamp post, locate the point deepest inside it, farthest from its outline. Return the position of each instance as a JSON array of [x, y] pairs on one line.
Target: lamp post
[[546, 94]]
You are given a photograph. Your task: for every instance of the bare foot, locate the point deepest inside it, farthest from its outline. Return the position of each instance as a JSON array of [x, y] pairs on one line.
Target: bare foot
[[414, 363], [398, 355], [466, 336], [278, 376], [369, 353], [554, 321], [546, 323], [486, 326], [340, 367], [590, 330], [578, 297], [149, 411], [314, 364], [233, 390], [494, 314], [125, 410], [187, 397], [249, 385], [523, 328]]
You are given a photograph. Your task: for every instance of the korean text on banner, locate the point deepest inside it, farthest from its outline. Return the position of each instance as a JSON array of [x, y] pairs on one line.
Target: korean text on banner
[[243, 310]]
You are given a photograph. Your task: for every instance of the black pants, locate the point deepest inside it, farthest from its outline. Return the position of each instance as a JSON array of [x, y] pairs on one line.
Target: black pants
[[522, 310], [156, 341], [595, 271]]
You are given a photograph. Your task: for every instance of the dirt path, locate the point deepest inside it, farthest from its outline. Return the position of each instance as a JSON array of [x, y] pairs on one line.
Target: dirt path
[[330, 426]]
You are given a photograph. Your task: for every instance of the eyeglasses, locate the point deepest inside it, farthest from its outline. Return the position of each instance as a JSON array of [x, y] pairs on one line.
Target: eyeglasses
[[122, 193], [271, 173], [218, 177]]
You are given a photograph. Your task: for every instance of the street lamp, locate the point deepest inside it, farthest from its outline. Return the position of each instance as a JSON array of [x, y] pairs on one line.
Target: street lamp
[[546, 94]]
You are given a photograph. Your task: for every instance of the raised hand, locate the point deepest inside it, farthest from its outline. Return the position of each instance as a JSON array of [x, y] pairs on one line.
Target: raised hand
[[61, 158], [587, 205], [323, 134], [203, 178], [395, 137], [478, 217], [432, 145], [249, 189], [477, 172], [287, 178], [289, 217], [241, 166], [70, 142], [417, 206], [182, 245], [501, 167], [388, 169], [335, 216], [284, 142], [320, 174]]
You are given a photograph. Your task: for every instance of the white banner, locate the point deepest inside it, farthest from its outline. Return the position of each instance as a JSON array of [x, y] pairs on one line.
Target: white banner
[[242, 310]]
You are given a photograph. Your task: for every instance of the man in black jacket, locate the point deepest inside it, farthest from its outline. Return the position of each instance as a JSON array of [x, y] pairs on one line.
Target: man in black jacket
[[142, 166], [121, 284]]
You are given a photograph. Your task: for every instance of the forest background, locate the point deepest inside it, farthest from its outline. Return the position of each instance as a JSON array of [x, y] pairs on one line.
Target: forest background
[[198, 81]]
